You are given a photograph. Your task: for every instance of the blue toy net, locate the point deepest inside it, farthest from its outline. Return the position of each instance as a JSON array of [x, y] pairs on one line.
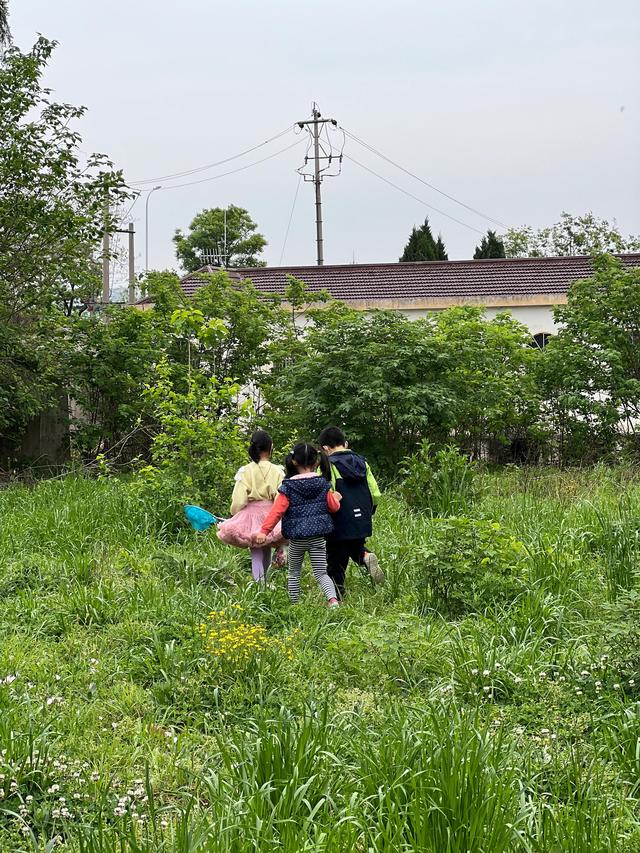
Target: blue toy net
[[199, 518]]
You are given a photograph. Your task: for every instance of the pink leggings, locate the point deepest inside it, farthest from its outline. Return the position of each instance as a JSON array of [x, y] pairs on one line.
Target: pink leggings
[[260, 562]]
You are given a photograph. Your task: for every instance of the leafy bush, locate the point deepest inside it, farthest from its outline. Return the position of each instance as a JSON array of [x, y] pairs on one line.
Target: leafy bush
[[467, 564], [444, 482], [198, 448]]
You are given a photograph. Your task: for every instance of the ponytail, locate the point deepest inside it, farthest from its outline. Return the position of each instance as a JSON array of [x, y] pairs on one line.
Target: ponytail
[[306, 456], [325, 466], [289, 467], [261, 442]]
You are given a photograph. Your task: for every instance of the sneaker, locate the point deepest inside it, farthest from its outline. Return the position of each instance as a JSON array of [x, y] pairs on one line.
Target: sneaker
[[333, 602], [373, 567]]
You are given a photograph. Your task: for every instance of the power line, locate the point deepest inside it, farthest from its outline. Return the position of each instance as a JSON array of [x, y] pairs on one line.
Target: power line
[[411, 195], [422, 181], [234, 171], [213, 165], [293, 207], [124, 218]]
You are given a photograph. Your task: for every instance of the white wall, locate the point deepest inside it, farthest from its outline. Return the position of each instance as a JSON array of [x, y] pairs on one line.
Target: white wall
[[537, 318]]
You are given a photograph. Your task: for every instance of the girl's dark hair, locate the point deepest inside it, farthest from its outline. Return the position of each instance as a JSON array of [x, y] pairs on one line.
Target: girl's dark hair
[[306, 456], [261, 442]]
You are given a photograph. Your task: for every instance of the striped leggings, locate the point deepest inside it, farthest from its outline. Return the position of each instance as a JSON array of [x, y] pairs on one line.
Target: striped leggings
[[317, 548]]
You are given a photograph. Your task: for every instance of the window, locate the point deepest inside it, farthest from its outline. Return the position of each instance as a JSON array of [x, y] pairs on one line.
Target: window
[[540, 340]]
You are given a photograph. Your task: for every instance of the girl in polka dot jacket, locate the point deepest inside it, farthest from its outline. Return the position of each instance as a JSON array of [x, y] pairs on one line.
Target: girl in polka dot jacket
[[304, 503]]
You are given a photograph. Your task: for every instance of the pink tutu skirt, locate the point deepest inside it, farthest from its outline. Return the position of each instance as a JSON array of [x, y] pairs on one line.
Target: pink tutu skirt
[[242, 527]]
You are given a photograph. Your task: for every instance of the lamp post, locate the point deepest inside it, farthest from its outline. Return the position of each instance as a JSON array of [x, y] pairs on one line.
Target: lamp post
[[146, 227]]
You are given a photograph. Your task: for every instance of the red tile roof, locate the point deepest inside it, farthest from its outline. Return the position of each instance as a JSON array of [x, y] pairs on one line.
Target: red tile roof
[[507, 278]]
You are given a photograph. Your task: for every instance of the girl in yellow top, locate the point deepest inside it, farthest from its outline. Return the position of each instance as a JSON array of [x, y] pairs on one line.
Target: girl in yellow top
[[256, 487]]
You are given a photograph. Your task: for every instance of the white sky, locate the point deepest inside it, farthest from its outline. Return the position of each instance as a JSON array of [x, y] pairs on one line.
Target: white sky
[[520, 109]]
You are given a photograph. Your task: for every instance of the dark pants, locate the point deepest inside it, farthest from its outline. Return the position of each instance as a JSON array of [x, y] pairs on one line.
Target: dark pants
[[339, 552]]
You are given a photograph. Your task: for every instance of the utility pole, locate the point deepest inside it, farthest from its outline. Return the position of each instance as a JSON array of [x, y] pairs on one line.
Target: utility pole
[[314, 127], [316, 160], [105, 267], [132, 267]]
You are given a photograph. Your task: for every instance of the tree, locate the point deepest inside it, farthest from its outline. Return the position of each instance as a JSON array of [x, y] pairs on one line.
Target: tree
[[572, 235], [52, 215], [113, 363], [5, 32], [490, 247], [249, 320], [380, 377], [392, 382], [422, 246], [591, 368], [239, 243], [490, 377]]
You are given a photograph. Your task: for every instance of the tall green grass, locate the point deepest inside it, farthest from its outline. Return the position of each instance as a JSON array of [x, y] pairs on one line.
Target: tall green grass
[[513, 727]]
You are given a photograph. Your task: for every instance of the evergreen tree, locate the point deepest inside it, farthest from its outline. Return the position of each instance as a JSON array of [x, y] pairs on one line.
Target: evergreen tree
[[490, 247], [422, 247], [441, 250]]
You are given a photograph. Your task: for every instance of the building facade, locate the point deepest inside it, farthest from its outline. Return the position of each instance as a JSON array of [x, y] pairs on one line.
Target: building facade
[[528, 288]]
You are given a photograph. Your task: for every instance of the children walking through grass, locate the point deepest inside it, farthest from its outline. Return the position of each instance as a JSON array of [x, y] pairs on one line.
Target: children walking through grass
[[304, 504], [256, 487], [353, 479]]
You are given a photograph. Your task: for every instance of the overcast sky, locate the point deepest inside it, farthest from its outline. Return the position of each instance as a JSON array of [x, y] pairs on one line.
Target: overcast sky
[[518, 109]]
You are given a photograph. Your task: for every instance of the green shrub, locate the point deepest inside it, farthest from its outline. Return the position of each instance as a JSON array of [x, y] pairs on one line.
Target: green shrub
[[467, 564], [198, 449], [444, 482]]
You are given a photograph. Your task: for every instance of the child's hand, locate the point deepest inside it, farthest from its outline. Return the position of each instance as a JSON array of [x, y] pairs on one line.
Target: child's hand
[[337, 496], [260, 538]]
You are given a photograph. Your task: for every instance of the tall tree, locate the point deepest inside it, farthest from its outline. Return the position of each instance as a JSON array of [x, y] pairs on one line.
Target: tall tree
[[229, 233], [572, 235], [422, 246], [592, 366], [5, 32], [52, 215], [490, 247]]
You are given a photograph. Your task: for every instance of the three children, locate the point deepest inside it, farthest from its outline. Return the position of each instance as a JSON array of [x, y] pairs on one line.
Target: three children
[[324, 507]]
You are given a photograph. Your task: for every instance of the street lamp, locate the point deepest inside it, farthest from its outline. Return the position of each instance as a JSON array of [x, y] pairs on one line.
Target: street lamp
[[146, 227]]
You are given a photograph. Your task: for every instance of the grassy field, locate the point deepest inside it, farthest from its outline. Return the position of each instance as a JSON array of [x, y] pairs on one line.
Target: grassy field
[[504, 721]]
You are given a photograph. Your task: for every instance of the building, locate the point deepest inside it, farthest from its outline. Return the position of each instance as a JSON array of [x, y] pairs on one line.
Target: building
[[528, 288]]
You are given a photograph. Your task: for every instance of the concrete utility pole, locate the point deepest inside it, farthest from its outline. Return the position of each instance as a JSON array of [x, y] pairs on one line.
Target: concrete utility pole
[[314, 126], [316, 160], [105, 268], [132, 267]]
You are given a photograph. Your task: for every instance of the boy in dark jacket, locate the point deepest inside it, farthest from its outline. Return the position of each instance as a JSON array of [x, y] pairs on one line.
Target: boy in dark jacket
[[351, 476]]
